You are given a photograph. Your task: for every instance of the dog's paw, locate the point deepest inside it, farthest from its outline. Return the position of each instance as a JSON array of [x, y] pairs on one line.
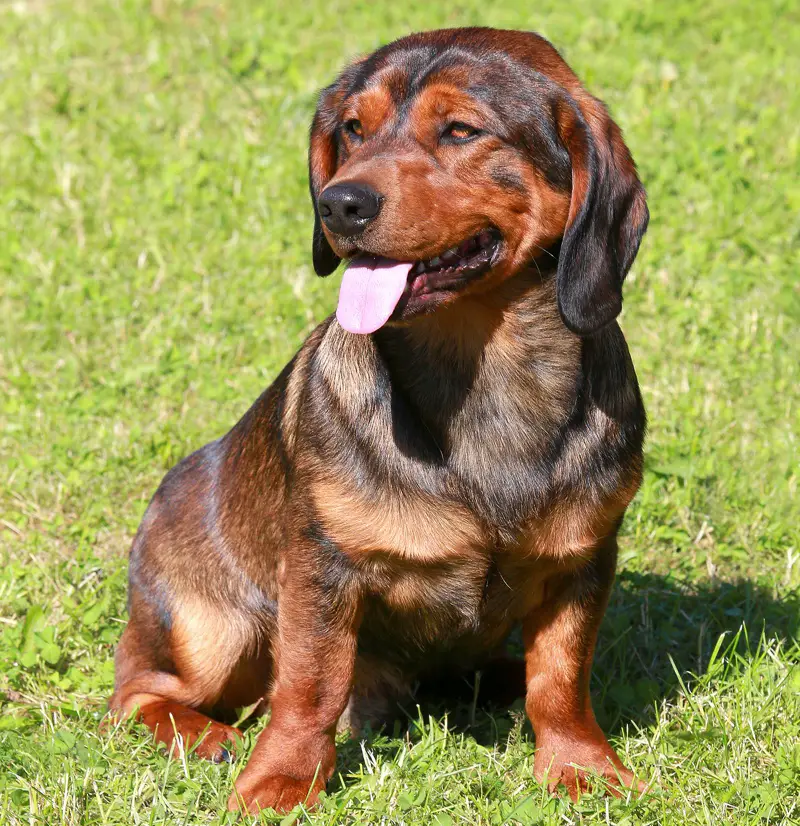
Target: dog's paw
[[277, 792], [219, 743], [583, 768], [577, 780], [174, 724]]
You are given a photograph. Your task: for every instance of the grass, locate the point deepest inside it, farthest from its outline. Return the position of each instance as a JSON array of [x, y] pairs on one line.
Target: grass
[[155, 276]]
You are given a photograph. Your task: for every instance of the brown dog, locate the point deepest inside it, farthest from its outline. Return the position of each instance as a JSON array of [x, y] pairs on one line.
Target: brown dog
[[451, 458]]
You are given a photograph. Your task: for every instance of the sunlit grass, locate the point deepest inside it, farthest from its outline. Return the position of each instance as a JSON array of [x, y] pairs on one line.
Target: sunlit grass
[[155, 276]]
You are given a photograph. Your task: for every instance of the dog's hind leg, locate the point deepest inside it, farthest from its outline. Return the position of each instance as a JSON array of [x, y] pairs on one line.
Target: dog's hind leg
[[162, 702], [167, 679]]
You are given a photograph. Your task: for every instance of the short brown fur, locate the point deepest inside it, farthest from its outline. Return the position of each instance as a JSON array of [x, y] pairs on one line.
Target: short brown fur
[[394, 504]]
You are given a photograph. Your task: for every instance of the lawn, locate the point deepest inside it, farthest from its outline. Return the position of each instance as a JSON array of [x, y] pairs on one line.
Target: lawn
[[155, 276]]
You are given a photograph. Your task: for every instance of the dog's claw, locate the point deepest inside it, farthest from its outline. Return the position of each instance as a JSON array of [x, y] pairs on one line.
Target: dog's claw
[[223, 756]]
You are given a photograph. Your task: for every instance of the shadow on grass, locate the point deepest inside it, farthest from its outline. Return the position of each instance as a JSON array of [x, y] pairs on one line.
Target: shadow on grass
[[650, 620]]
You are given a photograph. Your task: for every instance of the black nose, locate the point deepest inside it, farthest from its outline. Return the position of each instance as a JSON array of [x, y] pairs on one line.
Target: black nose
[[346, 209]]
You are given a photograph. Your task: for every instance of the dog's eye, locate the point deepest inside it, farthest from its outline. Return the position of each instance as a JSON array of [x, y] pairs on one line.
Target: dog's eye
[[458, 132], [354, 128]]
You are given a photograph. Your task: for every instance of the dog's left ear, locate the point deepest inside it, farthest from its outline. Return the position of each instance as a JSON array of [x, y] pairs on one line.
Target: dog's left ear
[[607, 216], [322, 157]]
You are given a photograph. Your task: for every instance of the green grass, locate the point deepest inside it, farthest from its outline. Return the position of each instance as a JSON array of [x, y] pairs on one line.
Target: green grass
[[155, 276]]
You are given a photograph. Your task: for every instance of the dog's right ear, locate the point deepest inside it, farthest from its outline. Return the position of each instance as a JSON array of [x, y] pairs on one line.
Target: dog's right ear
[[322, 158]]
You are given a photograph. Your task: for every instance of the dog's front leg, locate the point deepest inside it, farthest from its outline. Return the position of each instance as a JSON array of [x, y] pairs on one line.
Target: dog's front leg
[[560, 638], [318, 616]]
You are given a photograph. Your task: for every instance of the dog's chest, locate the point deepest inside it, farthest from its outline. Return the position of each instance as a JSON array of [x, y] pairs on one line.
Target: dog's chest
[[456, 519], [461, 611], [440, 581]]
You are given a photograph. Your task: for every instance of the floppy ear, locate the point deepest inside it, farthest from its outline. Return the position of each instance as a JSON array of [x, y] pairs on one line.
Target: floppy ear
[[607, 217], [322, 154]]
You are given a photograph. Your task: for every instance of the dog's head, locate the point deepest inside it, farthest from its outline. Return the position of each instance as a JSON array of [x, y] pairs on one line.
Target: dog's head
[[447, 161]]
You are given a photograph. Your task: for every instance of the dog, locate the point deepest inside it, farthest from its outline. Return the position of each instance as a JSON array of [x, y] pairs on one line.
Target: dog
[[446, 459]]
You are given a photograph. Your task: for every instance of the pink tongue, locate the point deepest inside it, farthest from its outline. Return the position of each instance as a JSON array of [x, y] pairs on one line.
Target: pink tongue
[[371, 288]]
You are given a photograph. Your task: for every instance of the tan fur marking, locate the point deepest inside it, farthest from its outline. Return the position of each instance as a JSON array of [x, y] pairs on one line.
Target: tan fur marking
[[373, 107], [422, 529], [574, 528], [444, 101], [207, 643]]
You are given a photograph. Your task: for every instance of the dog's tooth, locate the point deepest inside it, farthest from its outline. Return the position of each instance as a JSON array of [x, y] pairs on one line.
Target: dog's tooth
[[435, 262], [450, 256]]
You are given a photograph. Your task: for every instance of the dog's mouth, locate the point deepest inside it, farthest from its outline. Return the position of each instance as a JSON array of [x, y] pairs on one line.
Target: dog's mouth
[[465, 260], [374, 287]]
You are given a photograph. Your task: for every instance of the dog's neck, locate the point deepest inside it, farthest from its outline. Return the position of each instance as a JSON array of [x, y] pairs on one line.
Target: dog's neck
[[476, 402], [492, 371]]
